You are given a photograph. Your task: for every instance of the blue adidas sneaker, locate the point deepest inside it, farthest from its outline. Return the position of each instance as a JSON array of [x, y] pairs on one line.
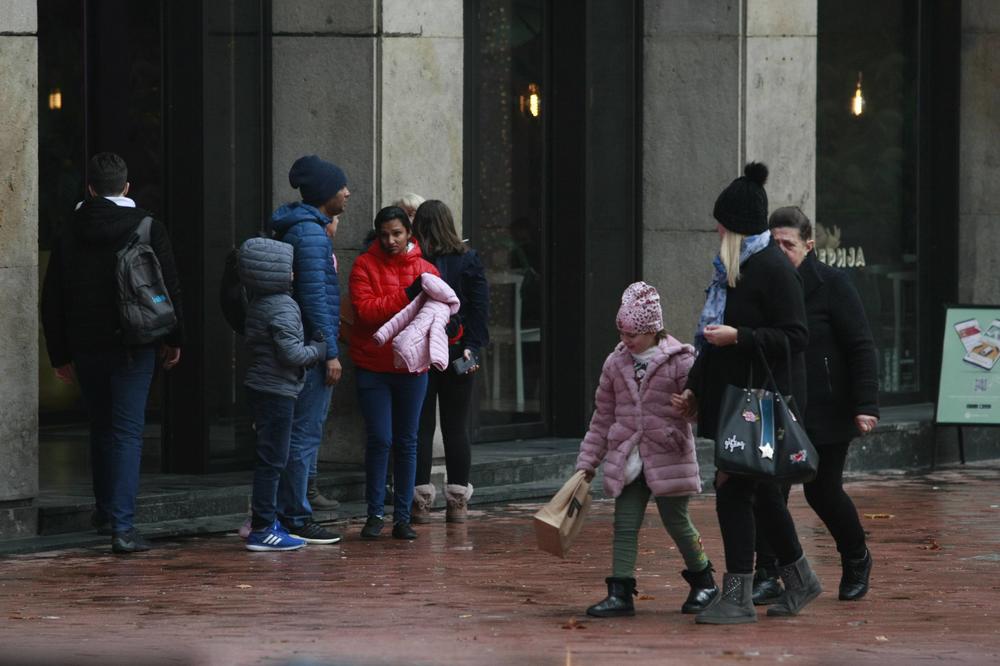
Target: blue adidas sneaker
[[273, 538]]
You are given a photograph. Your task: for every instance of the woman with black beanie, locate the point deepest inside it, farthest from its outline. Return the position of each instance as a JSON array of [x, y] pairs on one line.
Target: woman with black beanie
[[754, 301]]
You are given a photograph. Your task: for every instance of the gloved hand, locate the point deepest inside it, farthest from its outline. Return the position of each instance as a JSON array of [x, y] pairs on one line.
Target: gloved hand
[[414, 289], [318, 343], [452, 327]]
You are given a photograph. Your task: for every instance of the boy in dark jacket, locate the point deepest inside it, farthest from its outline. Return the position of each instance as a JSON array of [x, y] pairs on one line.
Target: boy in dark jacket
[[80, 317], [279, 357]]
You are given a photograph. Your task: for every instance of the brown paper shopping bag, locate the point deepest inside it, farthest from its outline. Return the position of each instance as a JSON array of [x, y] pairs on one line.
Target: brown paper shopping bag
[[558, 522]]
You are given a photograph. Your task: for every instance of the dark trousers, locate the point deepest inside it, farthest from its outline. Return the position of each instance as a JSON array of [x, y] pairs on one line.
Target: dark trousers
[[746, 507], [273, 416], [115, 386], [826, 495], [390, 403], [454, 393], [311, 408]]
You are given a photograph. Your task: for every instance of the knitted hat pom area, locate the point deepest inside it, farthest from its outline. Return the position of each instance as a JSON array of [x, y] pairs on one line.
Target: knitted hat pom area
[[742, 206]]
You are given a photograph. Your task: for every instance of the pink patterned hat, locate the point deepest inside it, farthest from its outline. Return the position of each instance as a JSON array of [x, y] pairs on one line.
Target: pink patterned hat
[[640, 311]]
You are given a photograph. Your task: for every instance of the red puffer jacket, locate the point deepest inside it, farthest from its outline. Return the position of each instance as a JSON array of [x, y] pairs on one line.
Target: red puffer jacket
[[378, 291]]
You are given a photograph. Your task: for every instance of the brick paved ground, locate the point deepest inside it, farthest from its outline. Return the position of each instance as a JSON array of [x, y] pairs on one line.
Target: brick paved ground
[[483, 594]]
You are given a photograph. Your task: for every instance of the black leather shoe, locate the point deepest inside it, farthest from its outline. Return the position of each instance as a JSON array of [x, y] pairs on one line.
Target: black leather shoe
[[403, 531], [618, 603], [372, 528], [129, 541], [766, 587], [703, 590], [854, 581]]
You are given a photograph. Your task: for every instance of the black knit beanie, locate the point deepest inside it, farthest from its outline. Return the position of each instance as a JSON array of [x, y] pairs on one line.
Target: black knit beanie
[[317, 180], [742, 207]]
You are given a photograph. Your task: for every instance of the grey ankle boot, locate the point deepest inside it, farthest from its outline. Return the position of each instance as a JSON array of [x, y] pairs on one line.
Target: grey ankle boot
[[735, 604], [801, 587], [316, 499]]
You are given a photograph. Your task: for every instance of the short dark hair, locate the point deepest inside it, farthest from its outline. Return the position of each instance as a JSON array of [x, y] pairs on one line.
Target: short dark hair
[[390, 213], [792, 217], [108, 174], [434, 228]]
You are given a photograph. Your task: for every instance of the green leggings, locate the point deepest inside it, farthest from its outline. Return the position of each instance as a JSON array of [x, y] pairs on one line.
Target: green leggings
[[630, 509]]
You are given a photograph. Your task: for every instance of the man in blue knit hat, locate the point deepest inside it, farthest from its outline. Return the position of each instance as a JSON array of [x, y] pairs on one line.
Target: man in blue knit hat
[[309, 226]]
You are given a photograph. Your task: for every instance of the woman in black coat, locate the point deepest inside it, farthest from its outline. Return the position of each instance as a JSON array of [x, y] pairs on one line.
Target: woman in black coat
[[842, 374], [754, 300], [460, 267]]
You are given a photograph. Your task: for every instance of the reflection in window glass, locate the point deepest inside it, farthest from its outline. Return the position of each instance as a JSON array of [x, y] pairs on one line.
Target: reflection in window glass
[[511, 138], [866, 176]]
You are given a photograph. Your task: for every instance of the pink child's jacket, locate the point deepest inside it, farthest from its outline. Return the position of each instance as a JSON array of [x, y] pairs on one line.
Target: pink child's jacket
[[627, 416], [417, 331]]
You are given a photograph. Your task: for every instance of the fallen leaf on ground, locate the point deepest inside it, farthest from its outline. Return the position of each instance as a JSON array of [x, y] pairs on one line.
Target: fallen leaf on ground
[[931, 544], [244, 586], [646, 597], [466, 615], [529, 600], [879, 516], [573, 624], [881, 639]]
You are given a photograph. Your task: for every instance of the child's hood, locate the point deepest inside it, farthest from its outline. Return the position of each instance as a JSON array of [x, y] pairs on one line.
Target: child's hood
[[266, 266]]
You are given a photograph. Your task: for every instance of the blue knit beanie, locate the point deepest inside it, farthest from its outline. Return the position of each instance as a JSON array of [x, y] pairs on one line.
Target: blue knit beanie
[[317, 180]]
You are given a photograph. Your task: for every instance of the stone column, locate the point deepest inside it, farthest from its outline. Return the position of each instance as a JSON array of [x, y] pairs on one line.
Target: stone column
[[979, 167], [18, 268], [724, 83], [376, 87]]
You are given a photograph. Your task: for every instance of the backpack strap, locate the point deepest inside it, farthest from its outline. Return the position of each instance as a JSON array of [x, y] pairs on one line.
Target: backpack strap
[[143, 230]]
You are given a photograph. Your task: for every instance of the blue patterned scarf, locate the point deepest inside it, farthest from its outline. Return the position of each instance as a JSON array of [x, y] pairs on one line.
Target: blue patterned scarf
[[715, 302]]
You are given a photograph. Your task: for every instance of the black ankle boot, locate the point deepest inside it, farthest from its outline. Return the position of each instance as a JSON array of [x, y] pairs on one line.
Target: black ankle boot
[[619, 600], [766, 587], [854, 581], [703, 590]]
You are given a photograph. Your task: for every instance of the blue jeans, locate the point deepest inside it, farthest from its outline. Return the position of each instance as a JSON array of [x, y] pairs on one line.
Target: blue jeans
[[115, 386], [391, 403], [272, 416], [311, 409]]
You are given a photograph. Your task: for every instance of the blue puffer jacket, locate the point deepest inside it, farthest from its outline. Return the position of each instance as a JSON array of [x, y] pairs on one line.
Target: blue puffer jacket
[[315, 288]]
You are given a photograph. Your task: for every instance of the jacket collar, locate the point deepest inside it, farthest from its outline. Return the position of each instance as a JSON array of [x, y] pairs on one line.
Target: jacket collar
[[668, 348], [809, 270]]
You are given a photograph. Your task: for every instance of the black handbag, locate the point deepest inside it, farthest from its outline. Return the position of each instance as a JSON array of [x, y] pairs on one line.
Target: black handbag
[[760, 435]]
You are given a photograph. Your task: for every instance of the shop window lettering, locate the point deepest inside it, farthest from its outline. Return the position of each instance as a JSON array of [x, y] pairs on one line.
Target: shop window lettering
[[842, 257]]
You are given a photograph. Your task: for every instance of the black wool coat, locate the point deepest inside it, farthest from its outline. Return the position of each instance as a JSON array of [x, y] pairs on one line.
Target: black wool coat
[[80, 292], [464, 273], [765, 307], [841, 365]]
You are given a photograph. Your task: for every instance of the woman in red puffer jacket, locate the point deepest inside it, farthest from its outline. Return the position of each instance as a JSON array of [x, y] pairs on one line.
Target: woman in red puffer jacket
[[383, 281]]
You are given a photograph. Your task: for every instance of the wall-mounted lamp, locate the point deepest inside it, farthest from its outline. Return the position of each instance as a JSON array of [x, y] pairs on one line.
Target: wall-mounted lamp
[[531, 103], [858, 101], [55, 99]]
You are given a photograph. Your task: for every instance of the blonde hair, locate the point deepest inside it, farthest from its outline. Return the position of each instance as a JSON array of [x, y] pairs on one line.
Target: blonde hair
[[729, 251], [409, 200]]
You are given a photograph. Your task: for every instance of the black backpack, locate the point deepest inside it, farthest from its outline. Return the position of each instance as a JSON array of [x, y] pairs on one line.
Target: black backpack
[[233, 297], [144, 306]]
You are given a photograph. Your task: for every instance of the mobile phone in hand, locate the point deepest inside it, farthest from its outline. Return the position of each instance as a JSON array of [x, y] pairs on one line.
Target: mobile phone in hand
[[462, 365]]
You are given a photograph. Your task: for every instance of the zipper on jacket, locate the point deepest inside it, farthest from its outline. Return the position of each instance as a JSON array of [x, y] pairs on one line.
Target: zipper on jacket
[[829, 380]]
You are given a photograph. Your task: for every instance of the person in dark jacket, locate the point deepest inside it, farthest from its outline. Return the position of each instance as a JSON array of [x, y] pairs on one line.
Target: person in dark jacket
[[842, 373], [468, 334], [279, 357], [755, 301], [308, 226], [80, 318]]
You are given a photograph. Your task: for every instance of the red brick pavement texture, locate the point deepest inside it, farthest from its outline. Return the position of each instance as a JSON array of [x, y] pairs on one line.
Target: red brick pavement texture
[[483, 594]]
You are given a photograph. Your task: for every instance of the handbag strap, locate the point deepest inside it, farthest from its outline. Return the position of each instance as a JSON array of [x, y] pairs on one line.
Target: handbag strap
[[767, 366]]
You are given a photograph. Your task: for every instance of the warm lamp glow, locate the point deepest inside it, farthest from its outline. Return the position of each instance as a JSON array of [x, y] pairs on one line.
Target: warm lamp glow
[[55, 99], [858, 101], [531, 104]]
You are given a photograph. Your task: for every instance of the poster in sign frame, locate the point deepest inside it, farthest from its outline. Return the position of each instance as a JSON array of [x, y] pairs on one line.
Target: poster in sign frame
[[969, 388]]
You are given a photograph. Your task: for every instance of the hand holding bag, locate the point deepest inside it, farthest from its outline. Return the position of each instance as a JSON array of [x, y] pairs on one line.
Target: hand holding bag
[[558, 523], [760, 435]]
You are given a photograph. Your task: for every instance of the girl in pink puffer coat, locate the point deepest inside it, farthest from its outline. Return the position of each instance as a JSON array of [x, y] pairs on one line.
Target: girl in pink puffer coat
[[647, 448]]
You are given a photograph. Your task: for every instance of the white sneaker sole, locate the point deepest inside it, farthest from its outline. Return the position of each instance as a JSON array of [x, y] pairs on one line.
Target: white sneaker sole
[[263, 549], [320, 542]]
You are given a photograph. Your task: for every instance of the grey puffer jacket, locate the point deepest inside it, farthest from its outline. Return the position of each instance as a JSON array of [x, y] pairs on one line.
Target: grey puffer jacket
[[274, 334]]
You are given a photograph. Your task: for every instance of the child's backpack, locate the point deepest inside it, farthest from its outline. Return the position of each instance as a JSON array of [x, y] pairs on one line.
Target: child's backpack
[[144, 306], [233, 297]]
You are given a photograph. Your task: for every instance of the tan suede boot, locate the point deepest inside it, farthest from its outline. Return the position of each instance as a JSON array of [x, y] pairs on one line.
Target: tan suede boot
[[458, 502], [423, 498]]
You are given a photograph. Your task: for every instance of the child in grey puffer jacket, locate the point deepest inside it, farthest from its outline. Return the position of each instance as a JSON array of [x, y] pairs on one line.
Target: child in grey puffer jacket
[[278, 356]]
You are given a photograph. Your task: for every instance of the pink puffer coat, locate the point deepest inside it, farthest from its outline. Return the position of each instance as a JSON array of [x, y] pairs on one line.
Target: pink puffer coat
[[627, 416], [417, 331]]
